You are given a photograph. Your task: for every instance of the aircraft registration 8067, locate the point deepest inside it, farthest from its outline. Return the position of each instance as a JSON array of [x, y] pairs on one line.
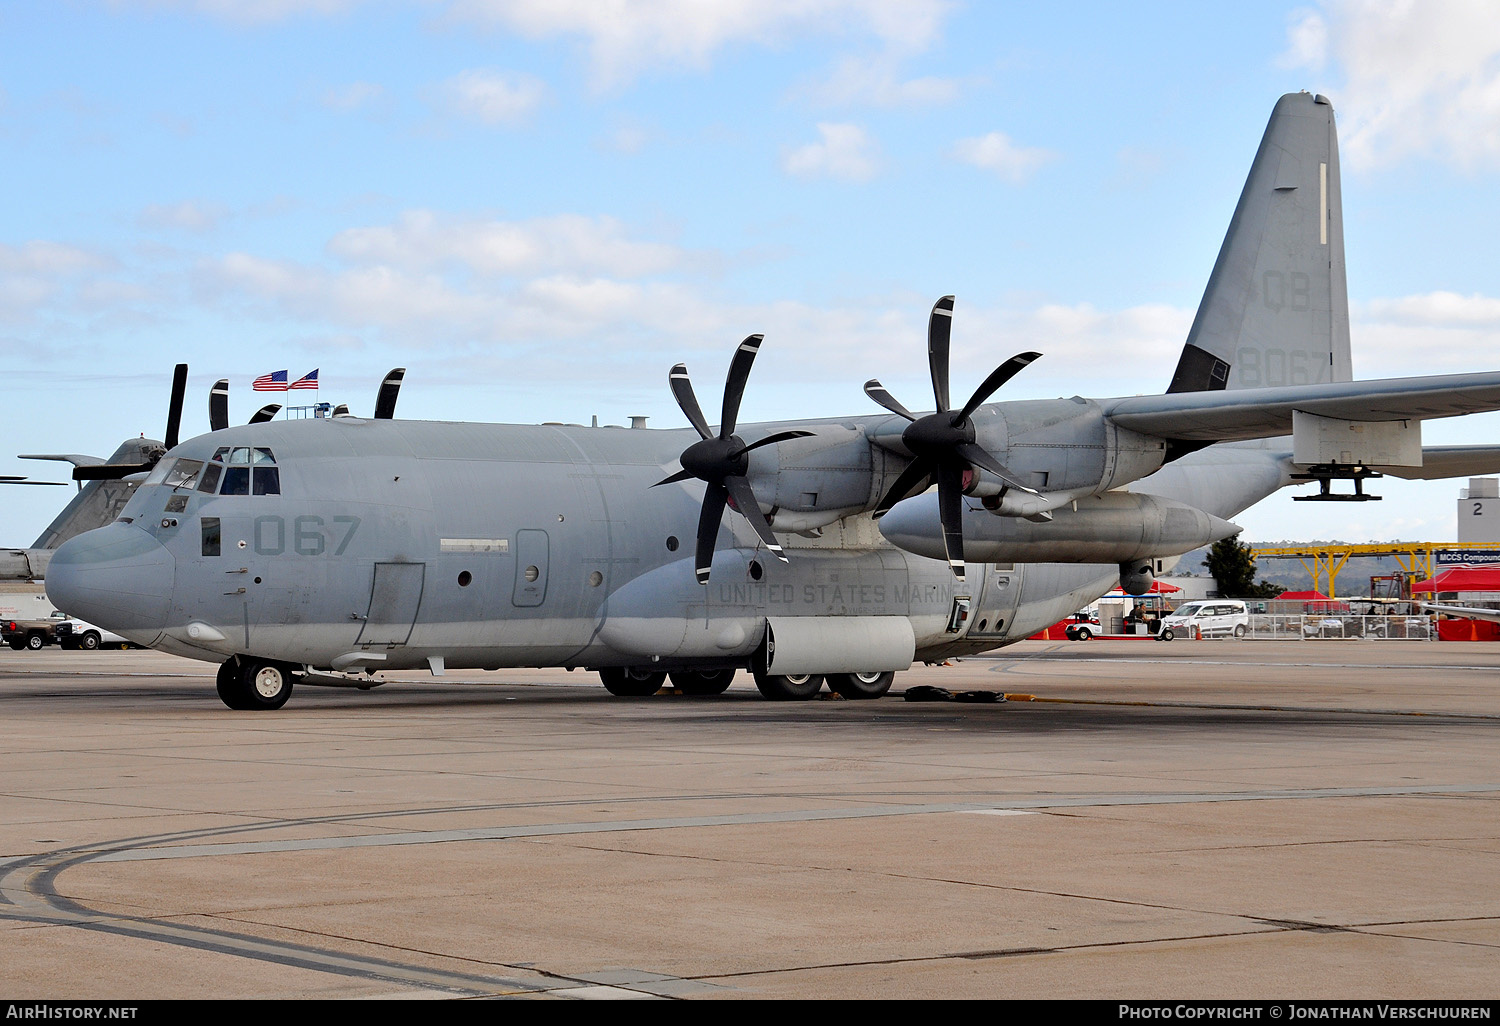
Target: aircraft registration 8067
[[327, 550]]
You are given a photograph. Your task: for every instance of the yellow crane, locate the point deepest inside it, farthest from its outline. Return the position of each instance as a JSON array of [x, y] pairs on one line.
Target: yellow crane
[[1323, 562]]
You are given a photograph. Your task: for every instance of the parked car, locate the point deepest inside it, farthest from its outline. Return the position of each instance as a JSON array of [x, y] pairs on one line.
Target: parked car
[[1210, 618], [1082, 627], [33, 634], [80, 634]]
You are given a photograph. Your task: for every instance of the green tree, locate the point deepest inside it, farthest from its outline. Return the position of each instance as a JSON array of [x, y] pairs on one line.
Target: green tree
[[1232, 564]]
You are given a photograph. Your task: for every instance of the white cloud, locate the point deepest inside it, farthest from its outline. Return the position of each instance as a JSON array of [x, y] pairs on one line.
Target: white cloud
[[496, 98], [845, 152], [1419, 79], [626, 37], [424, 240], [1432, 333], [995, 152], [43, 257], [188, 215], [874, 81]]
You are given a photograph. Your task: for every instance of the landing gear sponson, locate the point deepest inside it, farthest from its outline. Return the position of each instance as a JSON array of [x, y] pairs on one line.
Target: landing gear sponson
[[638, 682]]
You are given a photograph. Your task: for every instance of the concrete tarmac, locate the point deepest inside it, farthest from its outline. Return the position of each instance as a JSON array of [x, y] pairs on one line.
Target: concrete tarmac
[[1195, 819]]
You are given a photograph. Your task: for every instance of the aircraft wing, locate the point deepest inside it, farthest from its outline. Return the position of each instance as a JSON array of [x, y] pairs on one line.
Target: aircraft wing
[[1440, 461], [1471, 612], [1265, 412]]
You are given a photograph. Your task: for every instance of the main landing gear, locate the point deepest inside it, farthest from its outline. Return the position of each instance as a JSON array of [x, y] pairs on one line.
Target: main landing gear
[[639, 682], [245, 683]]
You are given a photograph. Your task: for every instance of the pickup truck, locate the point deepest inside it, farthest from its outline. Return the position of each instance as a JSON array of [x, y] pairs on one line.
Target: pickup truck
[[35, 634], [59, 629]]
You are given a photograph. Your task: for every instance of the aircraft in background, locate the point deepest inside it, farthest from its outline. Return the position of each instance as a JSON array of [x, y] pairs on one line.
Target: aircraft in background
[[105, 486], [325, 551]]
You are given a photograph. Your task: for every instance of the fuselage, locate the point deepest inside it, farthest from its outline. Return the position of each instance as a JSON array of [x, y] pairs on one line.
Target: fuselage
[[353, 544]]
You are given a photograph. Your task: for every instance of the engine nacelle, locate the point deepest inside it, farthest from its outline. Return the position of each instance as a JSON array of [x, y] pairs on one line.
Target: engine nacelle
[[1116, 527], [1137, 576]]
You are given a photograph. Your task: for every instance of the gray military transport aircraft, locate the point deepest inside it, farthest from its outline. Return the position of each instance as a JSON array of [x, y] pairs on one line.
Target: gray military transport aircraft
[[324, 551]]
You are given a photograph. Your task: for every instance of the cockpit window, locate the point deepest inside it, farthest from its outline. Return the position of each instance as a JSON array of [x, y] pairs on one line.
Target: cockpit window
[[248, 471], [209, 482], [220, 453], [182, 473], [236, 481]]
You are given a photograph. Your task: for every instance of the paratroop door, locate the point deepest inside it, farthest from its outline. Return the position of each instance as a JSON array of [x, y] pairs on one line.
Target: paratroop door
[[394, 599]]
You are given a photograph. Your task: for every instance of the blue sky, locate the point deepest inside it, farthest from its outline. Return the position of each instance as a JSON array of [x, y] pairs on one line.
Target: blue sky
[[538, 207]]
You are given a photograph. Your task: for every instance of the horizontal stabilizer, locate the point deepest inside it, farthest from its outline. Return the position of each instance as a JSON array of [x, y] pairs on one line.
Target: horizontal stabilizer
[[1443, 461]]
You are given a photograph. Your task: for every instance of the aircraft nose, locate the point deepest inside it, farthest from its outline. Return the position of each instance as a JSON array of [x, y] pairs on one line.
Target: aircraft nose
[[117, 577]]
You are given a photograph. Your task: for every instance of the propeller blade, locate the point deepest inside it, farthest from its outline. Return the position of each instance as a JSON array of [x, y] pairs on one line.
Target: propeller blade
[[708, 529], [734, 383], [951, 510], [109, 471], [390, 389], [780, 436], [939, 333], [999, 376], [919, 470], [174, 412], [218, 405], [21, 480], [681, 475], [744, 501], [978, 456], [682, 391], [265, 413], [875, 390]]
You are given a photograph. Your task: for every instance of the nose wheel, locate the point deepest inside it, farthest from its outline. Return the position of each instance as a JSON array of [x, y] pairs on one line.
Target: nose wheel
[[254, 684]]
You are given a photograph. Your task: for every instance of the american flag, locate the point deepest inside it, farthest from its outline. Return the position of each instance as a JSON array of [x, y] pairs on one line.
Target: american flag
[[308, 380], [273, 382]]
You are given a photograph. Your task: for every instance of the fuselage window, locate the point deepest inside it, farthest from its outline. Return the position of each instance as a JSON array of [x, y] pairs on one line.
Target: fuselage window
[[211, 536], [267, 480], [210, 481], [236, 481]]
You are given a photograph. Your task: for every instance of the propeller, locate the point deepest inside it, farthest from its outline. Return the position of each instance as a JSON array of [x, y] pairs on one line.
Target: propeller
[[390, 388], [115, 471], [722, 460], [943, 443], [218, 405], [22, 480]]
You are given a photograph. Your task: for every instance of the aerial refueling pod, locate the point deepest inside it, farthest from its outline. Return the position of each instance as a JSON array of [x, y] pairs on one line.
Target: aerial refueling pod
[[1116, 527]]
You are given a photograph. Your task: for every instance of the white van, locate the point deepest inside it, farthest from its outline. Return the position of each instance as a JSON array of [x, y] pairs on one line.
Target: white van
[[1210, 618]]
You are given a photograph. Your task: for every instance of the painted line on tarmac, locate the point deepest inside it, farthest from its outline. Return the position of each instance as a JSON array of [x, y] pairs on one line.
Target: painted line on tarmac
[[147, 854]]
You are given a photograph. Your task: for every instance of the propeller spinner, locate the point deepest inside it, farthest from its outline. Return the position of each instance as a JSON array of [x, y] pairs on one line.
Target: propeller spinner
[[943, 443], [722, 460]]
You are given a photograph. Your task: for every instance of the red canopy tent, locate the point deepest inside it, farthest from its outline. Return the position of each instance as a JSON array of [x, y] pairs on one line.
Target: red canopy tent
[[1302, 596], [1462, 579]]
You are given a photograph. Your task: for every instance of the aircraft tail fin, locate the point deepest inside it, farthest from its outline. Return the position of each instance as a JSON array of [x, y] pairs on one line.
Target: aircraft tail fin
[[1276, 309]]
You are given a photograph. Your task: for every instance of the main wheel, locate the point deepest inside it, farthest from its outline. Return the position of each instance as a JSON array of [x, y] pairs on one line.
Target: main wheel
[[631, 681], [263, 685], [702, 682], [861, 685], [789, 687], [35, 642], [227, 683], [90, 640]]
